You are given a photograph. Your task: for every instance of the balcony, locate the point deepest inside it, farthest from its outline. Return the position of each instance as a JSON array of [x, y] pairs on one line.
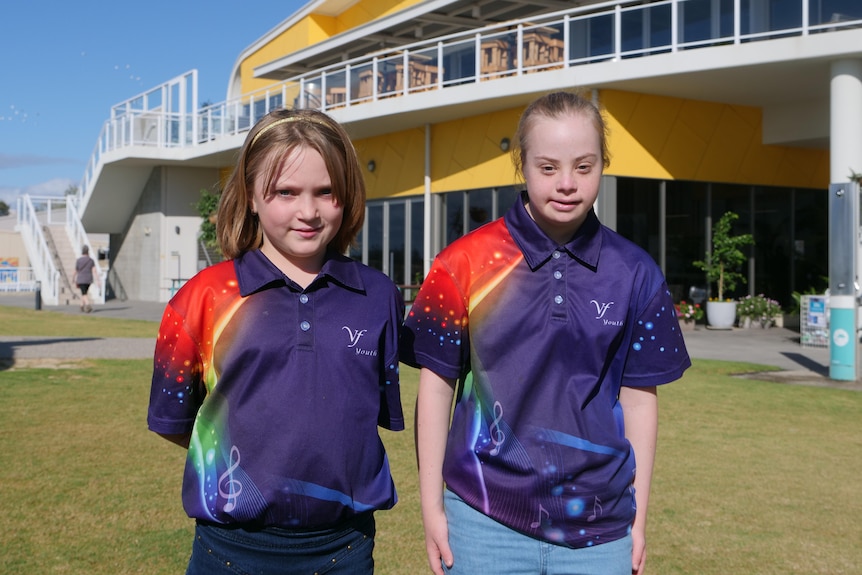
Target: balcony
[[166, 117]]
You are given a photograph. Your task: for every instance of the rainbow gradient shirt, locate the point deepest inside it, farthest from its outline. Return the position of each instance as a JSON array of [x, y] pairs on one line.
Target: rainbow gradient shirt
[[541, 337], [282, 390]]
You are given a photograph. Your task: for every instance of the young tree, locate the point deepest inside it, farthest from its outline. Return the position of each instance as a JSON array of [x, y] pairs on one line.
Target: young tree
[[723, 262]]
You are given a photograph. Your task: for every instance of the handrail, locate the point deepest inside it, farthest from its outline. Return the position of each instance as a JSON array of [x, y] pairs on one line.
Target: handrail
[[78, 236], [37, 250], [12, 279], [562, 39]]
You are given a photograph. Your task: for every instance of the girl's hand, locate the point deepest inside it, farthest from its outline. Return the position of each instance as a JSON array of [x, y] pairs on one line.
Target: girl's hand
[[437, 540], [638, 553]]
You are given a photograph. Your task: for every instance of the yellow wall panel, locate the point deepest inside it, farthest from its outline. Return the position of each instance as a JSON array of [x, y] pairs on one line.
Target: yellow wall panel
[[645, 121], [628, 155], [658, 137], [367, 10], [399, 163], [728, 146], [465, 154], [683, 152]]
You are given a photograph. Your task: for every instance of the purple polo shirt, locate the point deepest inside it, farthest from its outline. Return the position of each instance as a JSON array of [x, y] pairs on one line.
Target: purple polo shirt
[[282, 389], [542, 337]]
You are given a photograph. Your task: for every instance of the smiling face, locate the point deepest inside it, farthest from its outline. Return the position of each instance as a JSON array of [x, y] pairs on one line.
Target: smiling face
[[562, 166], [298, 214]]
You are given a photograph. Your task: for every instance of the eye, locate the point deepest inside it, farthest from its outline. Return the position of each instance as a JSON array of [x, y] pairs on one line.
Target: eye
[[284, 193], [548, 169], [325, 192]]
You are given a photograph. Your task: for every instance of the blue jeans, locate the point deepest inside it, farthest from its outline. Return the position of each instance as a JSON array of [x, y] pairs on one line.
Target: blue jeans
[[344, 550], [483, 546]]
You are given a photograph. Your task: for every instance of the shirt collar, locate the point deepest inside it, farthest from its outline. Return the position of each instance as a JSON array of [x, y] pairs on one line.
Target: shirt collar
[[538, 248], [255, 272]]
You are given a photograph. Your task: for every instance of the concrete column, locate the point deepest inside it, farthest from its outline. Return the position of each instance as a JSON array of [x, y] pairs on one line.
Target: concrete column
[[845, 156], [845, 120]]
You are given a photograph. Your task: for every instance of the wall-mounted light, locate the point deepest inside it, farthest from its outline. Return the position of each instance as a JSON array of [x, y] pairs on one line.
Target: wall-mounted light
[[147, 230], [177, 230], [504, 144], [371, 165]]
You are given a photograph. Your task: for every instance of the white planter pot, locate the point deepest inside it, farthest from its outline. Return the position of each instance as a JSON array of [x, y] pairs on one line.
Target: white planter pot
[[721, 314]]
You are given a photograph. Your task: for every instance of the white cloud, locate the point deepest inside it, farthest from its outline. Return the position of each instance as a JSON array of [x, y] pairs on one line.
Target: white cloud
[[54, 187]]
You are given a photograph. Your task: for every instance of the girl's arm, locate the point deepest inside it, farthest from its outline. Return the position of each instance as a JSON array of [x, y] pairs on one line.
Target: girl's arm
[[433, 406], [640, 412]]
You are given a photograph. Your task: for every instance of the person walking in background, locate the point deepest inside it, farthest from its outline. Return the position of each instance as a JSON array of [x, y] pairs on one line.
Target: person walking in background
[[275, 368], [556, 331], [85, 275]]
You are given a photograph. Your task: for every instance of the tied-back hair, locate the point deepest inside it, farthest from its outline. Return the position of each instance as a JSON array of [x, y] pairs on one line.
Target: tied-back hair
[[556, 105], [272, 139]]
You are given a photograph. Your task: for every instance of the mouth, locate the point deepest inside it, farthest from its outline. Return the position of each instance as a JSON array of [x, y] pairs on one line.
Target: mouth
[[307, 232], [565, 205]]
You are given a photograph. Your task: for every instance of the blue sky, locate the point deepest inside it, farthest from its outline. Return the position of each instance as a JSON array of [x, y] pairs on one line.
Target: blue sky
[[64, 63]]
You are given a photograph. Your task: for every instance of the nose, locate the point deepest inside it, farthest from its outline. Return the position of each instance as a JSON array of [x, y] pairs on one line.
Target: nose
[[307, 208], [567, 182]]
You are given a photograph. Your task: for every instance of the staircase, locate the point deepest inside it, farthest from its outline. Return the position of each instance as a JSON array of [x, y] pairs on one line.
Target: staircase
[[64, 255], [53, 237]]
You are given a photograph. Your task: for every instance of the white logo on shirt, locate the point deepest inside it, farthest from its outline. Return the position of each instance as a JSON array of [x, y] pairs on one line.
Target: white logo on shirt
[[354, 335], [601, 308]]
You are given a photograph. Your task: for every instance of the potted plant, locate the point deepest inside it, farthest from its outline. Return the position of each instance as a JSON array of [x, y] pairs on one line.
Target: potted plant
[[722, 265], [757, 311], [688, 314]]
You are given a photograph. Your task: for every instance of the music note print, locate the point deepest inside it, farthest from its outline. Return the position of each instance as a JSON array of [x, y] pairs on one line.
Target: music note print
[[234, 486], [497, 435], [542, 512], [597, 510]]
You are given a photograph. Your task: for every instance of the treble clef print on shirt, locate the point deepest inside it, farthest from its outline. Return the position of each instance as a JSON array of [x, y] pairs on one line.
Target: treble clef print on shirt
[[497, 435], [233, 487]]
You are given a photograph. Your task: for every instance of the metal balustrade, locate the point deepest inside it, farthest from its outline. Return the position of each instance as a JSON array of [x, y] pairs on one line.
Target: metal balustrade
[[36, 245], [166, 116]]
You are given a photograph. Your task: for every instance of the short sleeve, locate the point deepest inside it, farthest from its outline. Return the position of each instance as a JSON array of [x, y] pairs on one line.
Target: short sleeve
[[435, 333], [177, 389], [657, 352]]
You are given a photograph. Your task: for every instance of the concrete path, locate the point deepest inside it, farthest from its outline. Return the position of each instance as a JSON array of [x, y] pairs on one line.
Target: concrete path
[[776, 347]]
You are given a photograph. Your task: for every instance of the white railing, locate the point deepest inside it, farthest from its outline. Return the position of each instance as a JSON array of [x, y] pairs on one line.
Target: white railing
[[78, 237], [616, 30], [37, 250], [15, 279]]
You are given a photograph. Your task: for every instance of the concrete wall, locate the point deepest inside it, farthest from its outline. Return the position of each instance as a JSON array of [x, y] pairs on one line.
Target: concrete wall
[[158, 248]]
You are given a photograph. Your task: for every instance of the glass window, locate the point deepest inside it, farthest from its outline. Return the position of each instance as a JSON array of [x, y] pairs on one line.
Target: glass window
[[810, 241], [417, 241], [685, 225], [638, 213], [506, 199], [772, 249], [830, 11], [454, 209], [481, 207], [375, 236], [397, 240]]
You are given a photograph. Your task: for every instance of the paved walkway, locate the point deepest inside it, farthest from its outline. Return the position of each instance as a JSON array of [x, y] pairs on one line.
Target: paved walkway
[[777, 347]]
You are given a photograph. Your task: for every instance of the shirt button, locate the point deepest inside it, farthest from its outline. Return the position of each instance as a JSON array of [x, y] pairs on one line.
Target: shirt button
[[558, 274], [558, 299], [557, 255], [305, 326], [303, 298]]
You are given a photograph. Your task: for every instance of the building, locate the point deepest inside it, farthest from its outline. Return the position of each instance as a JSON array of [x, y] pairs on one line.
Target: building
[[753, 106]]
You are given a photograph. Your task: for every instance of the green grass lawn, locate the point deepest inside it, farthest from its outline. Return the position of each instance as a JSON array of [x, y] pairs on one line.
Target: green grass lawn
[[28, 322], [751, 477]]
